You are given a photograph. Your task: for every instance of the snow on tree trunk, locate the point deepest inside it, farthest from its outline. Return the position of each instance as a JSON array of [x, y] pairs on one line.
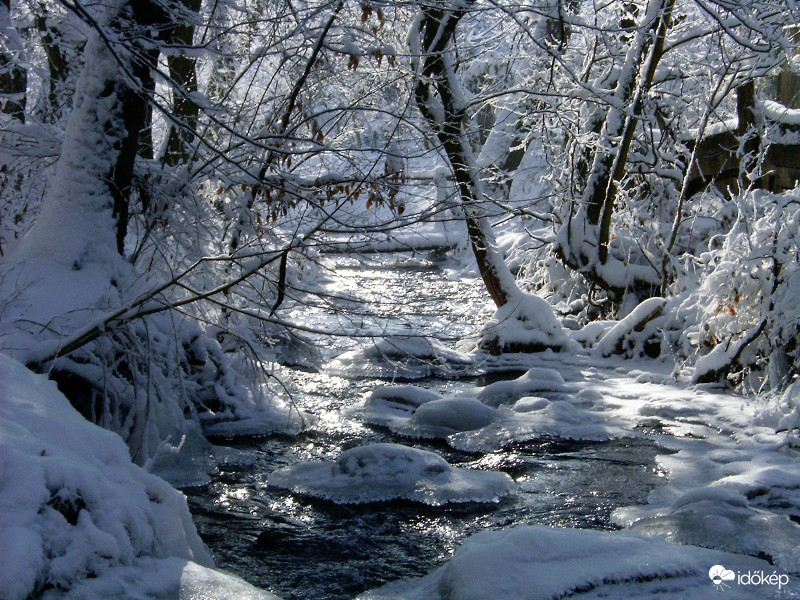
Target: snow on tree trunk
[[68, 263], [442, 106], [583, 243]]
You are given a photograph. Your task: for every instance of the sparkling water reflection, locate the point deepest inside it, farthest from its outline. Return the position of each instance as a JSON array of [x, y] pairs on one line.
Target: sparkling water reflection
[[307, 549]]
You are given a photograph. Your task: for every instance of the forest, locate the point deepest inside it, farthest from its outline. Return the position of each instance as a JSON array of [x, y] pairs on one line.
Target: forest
[[437, 299]]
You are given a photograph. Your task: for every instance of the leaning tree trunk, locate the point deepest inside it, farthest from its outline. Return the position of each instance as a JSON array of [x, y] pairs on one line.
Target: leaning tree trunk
[[438, 102]]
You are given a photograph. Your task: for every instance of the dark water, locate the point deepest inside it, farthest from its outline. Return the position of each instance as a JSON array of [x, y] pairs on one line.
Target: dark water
[[309, 549]]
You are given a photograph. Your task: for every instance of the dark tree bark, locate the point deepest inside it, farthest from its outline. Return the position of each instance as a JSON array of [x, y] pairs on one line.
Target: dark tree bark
[[433, 84], [183, 74]]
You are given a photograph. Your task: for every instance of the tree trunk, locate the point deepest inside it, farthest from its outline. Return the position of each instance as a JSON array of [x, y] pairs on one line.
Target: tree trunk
[[438, 28], [183, 74], [590, 253]]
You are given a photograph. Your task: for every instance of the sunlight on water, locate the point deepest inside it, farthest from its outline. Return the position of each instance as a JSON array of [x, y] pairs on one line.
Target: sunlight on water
[[302, 549]]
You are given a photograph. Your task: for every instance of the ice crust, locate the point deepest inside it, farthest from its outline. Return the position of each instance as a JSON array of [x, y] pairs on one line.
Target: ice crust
[[739, 499], [543, 563], [382, 472], [413, 357]]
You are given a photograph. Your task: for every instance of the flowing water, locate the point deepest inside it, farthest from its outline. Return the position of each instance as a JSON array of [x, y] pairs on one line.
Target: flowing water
[[308, 549]]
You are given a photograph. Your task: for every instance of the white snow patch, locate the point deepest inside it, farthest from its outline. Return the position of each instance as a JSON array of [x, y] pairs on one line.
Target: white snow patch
[[469, 425], [525, 323], [537, 381], [613, 341], [381, 472], [167, 578], [276, 417]]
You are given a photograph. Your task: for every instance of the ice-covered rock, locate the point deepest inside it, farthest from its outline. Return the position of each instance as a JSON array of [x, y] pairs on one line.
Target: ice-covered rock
[[381, 472], [72, 504], [152, 579], [412, 357], [390, 404], [276, 417], [542, 563], [741, 499], [536, 418]]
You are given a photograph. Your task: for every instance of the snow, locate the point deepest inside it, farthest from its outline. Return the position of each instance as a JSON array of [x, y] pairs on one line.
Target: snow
[[72, 505], [536, 418], [412, 357], [612, 342], [738, 497], [542, 563], [167, 578], [469, 425], [525, 323], [777, 112], [383, 471], [535, 381], [276, 417]]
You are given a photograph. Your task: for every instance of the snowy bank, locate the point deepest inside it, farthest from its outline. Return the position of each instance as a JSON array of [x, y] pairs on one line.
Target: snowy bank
[[542, 563], [382, 472], [77, 514]]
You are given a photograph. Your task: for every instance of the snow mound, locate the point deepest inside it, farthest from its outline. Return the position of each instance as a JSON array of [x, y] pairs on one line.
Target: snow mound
[[469, 425], [72, 505], [404, 357], [542, 563], [381, 472], [739, 499], [631, 333], [536, 381], [535, 418], [168, 578], [526, 323]]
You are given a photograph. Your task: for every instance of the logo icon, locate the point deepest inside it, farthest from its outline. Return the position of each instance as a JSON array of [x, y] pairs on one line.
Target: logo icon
[[719, 575]]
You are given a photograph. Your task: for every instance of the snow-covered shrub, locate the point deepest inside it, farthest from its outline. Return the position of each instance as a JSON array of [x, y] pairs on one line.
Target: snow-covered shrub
[[72, 505], [743, 315]]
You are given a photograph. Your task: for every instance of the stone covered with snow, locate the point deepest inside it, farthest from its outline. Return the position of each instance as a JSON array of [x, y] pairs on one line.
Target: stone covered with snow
[[469, 425], [538, 381], [526, 323], [382, 472], [543, 563]]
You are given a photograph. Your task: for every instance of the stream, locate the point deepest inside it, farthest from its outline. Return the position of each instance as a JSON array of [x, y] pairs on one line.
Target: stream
[[302, 548]]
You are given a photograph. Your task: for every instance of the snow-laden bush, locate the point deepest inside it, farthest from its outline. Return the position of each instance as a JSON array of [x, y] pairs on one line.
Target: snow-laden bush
[[743, 316], [72, 505]]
